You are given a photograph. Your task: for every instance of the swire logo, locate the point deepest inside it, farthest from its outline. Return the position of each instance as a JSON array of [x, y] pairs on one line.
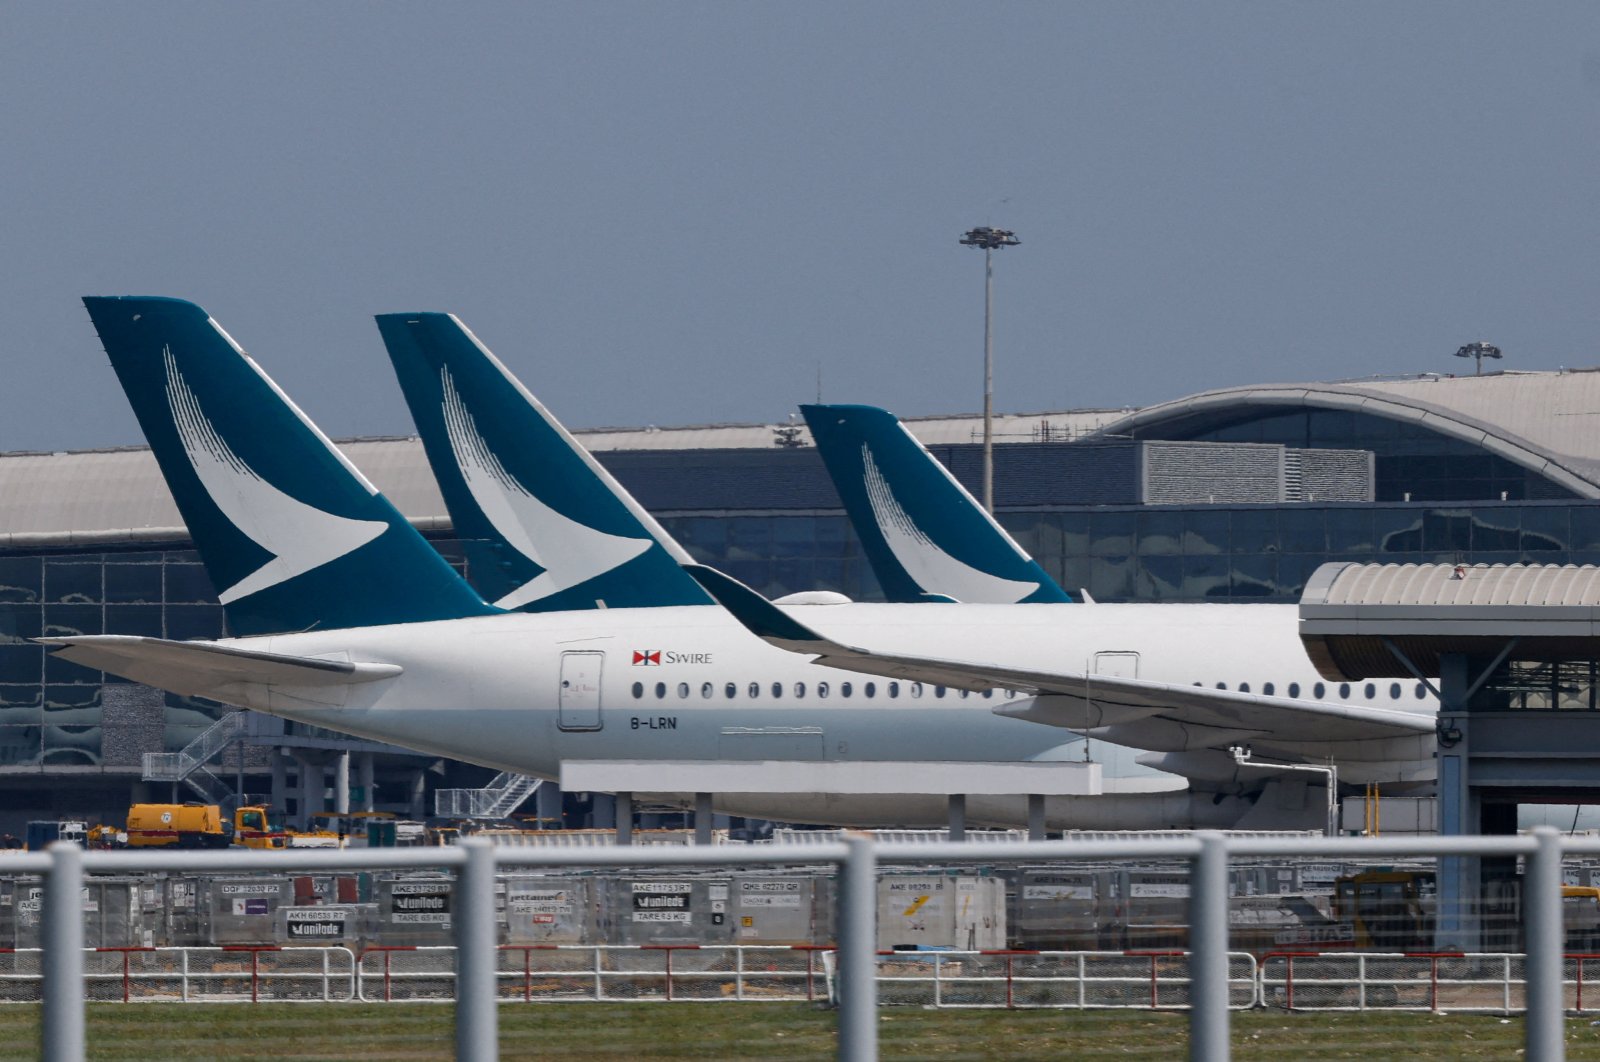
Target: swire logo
[[647, 658]]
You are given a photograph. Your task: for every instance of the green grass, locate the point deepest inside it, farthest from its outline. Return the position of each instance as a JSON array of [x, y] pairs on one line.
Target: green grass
[[401, 1032]]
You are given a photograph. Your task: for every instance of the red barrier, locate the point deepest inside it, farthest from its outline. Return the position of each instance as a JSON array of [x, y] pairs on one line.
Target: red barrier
[[1155, 994], [125, 980], [386, 950], [669, 949], [255, 951]]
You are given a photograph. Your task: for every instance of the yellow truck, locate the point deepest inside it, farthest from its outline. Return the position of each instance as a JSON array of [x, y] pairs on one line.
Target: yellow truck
[[201, 826]]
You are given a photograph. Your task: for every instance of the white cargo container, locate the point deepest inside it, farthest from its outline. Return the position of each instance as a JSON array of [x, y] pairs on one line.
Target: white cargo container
[[942, 911]]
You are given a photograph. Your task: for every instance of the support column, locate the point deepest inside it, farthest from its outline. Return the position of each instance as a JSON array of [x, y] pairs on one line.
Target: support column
[[1036, 831], [364, 774], [418, 798], [1459, 876], [341, 784], [624, 818], [547, 805], [958, 816], [313, 782], [702, 818]]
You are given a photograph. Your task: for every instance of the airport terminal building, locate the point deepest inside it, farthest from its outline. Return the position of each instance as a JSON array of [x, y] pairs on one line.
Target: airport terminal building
[[1232, 495]]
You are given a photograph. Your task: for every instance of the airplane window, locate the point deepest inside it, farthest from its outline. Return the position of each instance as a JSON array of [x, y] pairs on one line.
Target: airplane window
[[1318, 690], [1422, 691], [683, 689], [1394, 691], [799, 689], [777, 690], [1267, 689], [844, 689], [661, 690], [1344, 690], [938, 691], [1244, 687], [988, 693], [822, 689], [1371, 691], [638, 690], [1198, 683], [755, 690], [730, 691], [705, 690], [1294, 689], [894, 689], [869, 688], [1222, 685], [916, 689], [965, 694]]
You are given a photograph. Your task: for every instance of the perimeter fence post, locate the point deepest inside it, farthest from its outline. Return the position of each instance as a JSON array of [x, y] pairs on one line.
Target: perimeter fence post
[[477, 1032], [1208, 950], [61, 1030], [858, 951], [1545, 1025]]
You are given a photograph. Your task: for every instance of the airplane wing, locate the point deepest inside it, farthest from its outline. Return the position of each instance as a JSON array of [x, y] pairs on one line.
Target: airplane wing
[[1130, 711], [200, 669]]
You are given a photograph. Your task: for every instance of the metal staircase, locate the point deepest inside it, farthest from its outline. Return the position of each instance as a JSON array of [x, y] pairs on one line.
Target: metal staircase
[[188, 765], [503, 795]]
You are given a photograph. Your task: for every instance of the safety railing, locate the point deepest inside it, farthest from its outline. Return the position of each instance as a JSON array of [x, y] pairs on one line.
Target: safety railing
[[1210, 985], [254, 974]]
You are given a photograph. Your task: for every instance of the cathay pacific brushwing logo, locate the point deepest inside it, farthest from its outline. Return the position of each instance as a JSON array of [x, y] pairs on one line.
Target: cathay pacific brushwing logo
[[930, 567], [570, 553], [299, 536]]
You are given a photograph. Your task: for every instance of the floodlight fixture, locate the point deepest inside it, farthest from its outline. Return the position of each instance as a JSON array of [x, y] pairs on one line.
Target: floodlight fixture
[[1478, 351]]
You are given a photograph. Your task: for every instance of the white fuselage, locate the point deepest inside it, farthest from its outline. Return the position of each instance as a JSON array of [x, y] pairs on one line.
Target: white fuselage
[[525, 691]]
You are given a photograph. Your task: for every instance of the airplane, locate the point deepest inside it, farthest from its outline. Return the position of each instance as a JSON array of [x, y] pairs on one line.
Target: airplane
[[508, 470], [347, 619], [925, 536]]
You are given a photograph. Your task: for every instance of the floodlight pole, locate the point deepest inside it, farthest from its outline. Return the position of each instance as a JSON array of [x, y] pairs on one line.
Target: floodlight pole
[[990, 240]]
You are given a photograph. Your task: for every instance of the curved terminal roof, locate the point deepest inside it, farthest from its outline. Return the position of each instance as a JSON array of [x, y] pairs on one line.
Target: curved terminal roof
[[118, 495], [1350, 611], [1546, 421]]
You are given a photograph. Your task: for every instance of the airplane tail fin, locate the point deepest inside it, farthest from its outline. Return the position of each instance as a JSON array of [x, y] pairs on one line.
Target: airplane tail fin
[[924, 535], [545, 525], [293, 536]]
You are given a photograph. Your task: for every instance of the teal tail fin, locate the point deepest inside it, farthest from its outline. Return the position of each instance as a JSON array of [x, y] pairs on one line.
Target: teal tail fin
[[545, 526], [293, 536], [924, 535]]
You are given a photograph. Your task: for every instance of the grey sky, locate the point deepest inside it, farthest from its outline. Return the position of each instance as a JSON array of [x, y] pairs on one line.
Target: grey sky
[[676, 213]]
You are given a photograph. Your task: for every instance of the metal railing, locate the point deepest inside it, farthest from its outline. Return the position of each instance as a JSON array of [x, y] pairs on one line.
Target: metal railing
[[505, 793], [478, 956]]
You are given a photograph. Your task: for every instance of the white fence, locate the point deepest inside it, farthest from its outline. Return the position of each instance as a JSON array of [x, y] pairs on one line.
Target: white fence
[[193, 975], [1210, 983]]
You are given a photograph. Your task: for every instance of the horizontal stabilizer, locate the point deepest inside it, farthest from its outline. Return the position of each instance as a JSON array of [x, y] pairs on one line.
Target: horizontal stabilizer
[[196, 669]]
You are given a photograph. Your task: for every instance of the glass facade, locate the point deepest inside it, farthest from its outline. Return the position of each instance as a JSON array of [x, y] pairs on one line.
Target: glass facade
[[1539, 686], [50, 710], [1150, 553]]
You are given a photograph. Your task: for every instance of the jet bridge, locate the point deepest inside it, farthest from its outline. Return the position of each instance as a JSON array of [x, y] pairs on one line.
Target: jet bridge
[[1512, 652]]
